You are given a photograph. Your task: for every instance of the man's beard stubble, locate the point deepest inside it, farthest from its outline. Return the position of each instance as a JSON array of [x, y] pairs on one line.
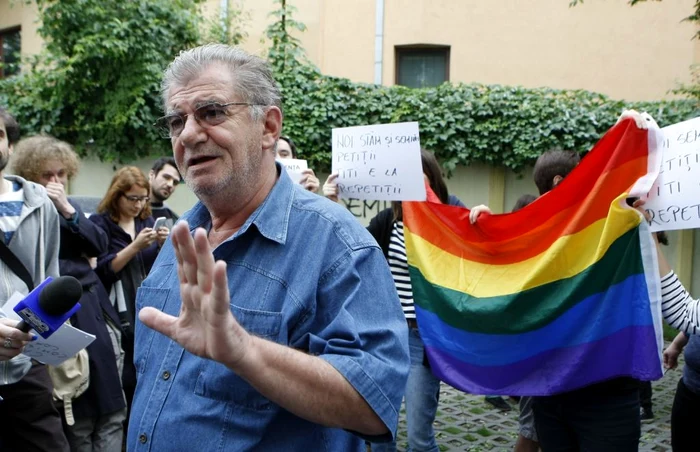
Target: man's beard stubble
[[159, 196], [237, 181], [4, 159]]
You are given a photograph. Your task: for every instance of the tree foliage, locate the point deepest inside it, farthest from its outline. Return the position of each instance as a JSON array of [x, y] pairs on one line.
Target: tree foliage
[[462, 123], [227, 27], [96, 84]]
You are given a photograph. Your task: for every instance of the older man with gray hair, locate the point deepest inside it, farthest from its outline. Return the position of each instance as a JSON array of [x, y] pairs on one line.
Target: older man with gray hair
[[280, 324]]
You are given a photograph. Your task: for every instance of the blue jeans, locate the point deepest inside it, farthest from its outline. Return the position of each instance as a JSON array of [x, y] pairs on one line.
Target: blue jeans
[[584, 421], [422, 392]]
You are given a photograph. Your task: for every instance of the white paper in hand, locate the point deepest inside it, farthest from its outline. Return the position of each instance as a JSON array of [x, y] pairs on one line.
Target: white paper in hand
[[294, 168], [67, 341]]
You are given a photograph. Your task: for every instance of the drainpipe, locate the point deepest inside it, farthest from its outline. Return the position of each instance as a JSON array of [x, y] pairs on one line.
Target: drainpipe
[[378, 41], [223, 17]]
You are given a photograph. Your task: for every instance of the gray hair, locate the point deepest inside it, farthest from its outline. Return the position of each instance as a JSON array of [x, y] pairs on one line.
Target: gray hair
[[252, 79]]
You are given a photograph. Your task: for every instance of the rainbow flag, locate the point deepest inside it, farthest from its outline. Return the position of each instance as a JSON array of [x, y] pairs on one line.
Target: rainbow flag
[[557, 296]]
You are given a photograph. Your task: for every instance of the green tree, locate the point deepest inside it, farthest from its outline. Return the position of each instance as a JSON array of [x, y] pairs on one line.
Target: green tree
[[96, 85], [228, 26]]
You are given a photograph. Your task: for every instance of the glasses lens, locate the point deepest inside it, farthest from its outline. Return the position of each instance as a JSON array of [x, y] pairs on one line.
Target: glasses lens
[[136, 198], [212, 114], [170, 126]]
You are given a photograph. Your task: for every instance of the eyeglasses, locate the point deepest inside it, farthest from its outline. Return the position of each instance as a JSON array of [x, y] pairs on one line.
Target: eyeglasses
[[136, 199], [209, 115]]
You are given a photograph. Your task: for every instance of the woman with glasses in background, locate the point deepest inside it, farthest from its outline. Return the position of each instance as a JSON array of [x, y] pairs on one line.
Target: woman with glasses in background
[[125, 215]]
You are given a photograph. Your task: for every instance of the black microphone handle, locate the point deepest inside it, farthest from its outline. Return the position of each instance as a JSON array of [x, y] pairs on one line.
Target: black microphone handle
[[23, 326]]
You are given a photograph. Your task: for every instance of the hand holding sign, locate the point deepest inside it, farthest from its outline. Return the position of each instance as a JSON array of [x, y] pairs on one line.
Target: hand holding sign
[[309, 180], [381, 162]]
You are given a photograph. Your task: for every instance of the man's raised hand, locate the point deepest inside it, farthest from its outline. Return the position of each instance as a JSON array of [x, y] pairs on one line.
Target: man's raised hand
[[205, 327]]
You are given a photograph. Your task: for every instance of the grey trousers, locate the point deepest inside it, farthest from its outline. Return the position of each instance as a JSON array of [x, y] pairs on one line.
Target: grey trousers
[[100, 434]]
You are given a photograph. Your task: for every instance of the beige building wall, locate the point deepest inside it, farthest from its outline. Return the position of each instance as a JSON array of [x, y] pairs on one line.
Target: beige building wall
[[633, 53]]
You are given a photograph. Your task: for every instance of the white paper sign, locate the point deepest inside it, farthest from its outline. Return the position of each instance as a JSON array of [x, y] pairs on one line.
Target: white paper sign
[[66, 342], [674, 200], [379, 162], [294, 168]]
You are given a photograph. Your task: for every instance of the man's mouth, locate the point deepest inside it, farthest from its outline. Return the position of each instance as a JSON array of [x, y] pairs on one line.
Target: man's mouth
[[194, 161]]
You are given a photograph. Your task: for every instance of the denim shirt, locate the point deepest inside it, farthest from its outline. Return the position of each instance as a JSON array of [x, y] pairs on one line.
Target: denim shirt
[[304, 273]]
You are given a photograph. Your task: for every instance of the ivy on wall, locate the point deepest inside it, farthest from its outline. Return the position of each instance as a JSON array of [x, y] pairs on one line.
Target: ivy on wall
[[463, 123]]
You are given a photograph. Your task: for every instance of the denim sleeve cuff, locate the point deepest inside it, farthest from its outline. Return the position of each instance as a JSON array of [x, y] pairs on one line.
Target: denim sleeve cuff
[[370, 391]]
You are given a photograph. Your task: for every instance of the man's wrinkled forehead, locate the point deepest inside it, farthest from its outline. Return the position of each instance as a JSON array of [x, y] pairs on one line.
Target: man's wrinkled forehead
[[213, 83]]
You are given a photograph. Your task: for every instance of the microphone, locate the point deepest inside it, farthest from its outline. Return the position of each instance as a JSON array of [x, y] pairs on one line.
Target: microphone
[[49, 305]]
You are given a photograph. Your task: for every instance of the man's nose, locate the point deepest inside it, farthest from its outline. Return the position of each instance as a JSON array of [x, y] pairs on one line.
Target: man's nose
[[192, 132]]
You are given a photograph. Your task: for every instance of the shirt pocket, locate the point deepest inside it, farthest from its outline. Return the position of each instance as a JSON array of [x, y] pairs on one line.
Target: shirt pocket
[[216, 381], [156, 298]]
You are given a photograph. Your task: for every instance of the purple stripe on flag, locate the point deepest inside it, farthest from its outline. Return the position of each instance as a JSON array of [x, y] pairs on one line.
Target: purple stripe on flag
[[629, 352]]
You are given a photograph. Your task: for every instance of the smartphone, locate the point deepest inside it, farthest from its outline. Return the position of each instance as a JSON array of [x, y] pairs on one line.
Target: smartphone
[[160, 222]]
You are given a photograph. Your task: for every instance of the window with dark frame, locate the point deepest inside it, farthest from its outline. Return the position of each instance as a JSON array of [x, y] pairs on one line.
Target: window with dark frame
[[10, 51], [423, 65]]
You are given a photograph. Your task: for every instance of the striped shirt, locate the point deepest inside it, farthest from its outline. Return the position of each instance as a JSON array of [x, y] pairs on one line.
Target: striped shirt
[[11, 205], [399, 270], [679, 309]]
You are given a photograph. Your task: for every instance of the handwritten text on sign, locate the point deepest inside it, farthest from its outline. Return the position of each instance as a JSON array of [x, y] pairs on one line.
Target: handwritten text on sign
[[674, 200], [379, 162]]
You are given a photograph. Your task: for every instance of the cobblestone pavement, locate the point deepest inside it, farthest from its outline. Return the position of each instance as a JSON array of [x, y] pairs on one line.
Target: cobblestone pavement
[[467, 423]]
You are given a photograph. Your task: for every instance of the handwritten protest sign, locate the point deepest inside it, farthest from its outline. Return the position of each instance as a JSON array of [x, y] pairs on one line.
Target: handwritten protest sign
[[674, 200], [294, 168], [66, 342], [380, 162]]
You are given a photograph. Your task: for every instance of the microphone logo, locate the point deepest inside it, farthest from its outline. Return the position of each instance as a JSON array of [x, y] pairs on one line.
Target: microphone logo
[[34, 320]]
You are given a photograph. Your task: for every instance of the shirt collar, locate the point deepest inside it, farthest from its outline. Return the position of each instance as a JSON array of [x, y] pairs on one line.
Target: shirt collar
[[271, 218]]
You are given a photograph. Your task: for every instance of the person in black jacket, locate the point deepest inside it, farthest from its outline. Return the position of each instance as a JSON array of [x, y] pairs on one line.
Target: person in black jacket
[[100, 411], [124, 214], [164, 178]]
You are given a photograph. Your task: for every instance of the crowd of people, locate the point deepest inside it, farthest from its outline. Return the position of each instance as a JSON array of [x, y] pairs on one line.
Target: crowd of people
[[266, 317]]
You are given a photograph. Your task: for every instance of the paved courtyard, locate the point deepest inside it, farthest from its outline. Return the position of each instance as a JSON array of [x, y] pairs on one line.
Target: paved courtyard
[[467, 423]]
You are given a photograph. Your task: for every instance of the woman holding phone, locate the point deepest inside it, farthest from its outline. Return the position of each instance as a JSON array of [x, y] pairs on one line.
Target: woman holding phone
[[125, 216]]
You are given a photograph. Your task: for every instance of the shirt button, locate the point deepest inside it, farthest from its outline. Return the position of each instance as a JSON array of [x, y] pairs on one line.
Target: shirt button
[[166, 375], [143, 438]]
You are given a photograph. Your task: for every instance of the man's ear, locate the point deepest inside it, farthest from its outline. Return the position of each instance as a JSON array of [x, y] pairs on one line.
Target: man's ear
[[556, 180], [151, 176], [9, 149], [272, 127]]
